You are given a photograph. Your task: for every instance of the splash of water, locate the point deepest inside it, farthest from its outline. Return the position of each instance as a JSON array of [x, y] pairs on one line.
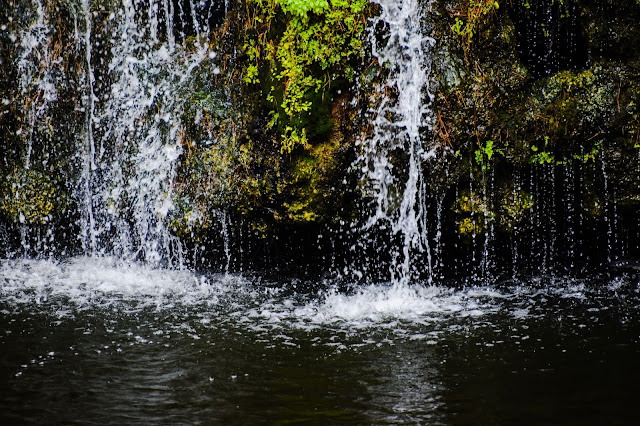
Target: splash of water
[[111, 285], [402, 118]]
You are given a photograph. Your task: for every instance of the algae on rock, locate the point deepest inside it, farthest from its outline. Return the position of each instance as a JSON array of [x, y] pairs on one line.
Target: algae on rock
[[30, 197]]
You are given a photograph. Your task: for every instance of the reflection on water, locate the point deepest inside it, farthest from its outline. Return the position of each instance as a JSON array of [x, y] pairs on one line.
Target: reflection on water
[[91, 340]]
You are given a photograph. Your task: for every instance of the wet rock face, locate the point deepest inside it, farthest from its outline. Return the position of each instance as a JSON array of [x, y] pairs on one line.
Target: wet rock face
[[536, 106], [30, 197], [610, 29], [539, 98], [531, 72], [549, 36], [208, 14]]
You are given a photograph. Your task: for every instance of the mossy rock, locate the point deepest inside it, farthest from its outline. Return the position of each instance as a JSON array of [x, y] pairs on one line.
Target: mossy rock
[[311, 196], [506, 211], [28, 196]]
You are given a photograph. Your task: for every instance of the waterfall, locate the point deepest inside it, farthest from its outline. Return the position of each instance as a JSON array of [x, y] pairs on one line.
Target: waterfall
[[133, 63], [88, 166], [402, 122], [132, 139], [128, 135]]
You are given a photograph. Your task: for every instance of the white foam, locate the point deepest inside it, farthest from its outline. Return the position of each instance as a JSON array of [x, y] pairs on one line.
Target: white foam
[[89, 281], [196, 302], [86, 282], [381, 303]]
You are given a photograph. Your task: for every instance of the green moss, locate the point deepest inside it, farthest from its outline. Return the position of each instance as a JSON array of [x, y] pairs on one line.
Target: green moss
[[309, 172], [188, 221], [470, 17], [206, 179], [475, 212], [574, 99], [28, 196], [513, 209]]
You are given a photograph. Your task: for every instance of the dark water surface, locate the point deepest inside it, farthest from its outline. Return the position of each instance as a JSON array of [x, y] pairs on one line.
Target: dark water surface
[[92, 341]]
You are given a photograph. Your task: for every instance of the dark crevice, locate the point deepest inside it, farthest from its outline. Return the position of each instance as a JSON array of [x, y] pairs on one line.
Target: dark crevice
[[209, 14], [548, 35]]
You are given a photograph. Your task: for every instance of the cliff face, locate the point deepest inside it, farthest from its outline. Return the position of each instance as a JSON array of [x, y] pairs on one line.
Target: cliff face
[[536, 105], [535, 113]]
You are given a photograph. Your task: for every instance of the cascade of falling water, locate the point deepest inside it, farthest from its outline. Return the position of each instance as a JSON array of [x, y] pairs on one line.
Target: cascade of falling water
[[553, 229], [491, 236], [617, 238], [128, 141], [545, 218], [581, 210], [487, 225], [131, 141], [458, 236], [399, 201], [474, 234], [439, 265], [537, 248], [517, 187], [636, 240], [569, 184], [39, 68]]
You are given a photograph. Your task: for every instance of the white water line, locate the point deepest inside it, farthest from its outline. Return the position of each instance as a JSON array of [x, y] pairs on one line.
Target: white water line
[[226, 241]]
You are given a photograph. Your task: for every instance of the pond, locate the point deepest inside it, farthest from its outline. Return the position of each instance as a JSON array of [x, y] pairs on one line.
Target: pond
[[95, 340]]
